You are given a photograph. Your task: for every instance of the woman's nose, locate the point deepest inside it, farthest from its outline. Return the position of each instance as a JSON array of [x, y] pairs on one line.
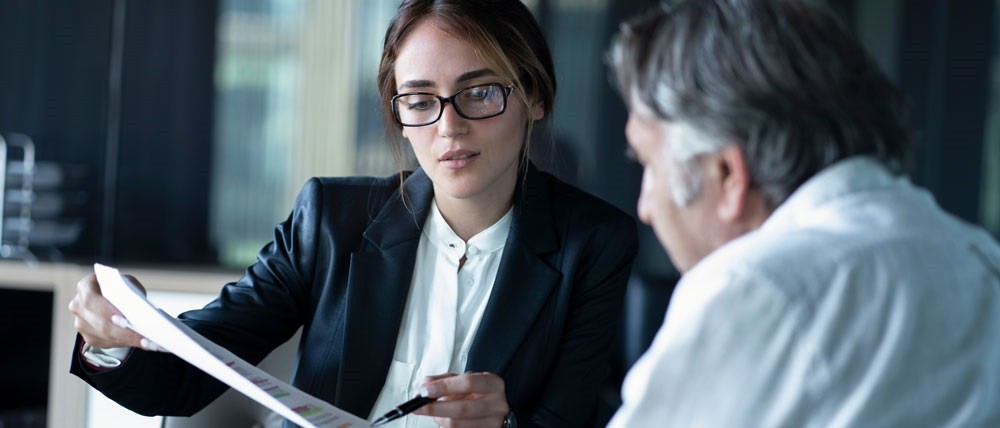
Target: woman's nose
[[451, 125]]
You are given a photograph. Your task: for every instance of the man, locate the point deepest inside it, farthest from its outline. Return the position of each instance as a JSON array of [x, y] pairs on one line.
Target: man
[[820, 287]]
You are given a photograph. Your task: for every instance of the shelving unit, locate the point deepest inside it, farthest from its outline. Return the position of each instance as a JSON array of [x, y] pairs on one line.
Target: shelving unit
[[33, 204], [15, 216]]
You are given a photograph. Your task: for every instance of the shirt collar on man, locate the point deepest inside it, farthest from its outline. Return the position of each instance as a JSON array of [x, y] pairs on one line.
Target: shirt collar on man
[[845, 177]]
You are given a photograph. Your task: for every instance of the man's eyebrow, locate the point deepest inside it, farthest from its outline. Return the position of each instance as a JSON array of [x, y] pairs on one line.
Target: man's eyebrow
[[464, 77]]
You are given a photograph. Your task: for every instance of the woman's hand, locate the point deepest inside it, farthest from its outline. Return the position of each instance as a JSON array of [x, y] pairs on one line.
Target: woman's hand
[[466, 400], [99, 322]]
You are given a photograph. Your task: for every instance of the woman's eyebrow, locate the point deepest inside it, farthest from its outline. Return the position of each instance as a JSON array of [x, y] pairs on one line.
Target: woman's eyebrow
[[469, 75], [416, 84], [464, 77]]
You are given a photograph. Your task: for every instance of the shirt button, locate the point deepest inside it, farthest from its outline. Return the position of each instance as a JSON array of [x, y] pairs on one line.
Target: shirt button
[[473, 250], [469, 282]]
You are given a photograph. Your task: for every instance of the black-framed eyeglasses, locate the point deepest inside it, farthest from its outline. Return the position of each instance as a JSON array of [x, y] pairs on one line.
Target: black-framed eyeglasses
[[474, 103]]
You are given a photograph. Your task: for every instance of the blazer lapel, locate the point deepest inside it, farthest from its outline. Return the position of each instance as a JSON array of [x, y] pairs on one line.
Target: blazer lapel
[[378, 285], [524, 279]]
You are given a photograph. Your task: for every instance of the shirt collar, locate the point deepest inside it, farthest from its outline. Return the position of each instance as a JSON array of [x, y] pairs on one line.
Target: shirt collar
[[442, 236], [848, 176]]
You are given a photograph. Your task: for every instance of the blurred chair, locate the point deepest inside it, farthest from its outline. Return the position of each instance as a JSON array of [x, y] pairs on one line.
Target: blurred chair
[[646, 301]]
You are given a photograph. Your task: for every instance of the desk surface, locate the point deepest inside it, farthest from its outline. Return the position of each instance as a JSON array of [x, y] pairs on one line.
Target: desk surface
[[67, 395]]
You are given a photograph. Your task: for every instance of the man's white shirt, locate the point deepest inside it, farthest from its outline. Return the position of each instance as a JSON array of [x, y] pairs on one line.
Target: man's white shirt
[[859, 302]]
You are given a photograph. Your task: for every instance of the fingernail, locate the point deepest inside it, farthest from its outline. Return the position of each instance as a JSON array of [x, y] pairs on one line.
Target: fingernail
[[147, 344], [119, 321], [426, 391]]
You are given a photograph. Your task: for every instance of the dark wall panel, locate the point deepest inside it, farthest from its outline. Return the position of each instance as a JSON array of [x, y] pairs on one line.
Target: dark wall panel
[[57, 86], [944, 69], [166, 132], [53, 87]]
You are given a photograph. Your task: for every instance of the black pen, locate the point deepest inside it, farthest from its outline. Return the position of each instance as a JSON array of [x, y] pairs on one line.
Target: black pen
[[403, 409]]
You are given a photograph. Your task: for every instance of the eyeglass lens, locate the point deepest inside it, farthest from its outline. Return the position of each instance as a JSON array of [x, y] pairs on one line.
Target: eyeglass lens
[[476, 102]]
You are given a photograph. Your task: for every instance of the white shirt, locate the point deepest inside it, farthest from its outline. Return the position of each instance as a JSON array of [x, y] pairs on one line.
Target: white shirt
[[859, 302], [442, 311]]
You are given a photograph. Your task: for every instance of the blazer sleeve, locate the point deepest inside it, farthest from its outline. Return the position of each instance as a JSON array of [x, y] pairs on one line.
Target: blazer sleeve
[[570, 395], [250, 317]]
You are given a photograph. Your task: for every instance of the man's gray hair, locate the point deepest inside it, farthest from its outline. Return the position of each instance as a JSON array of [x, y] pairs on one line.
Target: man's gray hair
[[783, 79], [685, 144]]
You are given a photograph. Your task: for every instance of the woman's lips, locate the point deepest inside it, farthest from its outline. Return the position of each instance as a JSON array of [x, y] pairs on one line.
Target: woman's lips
[[458, 159]]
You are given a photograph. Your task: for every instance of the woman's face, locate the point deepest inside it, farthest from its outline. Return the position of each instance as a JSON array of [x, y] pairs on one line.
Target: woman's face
[[468, 160]]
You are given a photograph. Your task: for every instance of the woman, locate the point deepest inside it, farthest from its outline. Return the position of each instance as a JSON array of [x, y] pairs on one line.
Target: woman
[[476, 263]]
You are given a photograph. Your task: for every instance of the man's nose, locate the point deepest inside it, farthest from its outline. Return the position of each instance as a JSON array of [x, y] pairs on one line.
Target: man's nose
[[644, 205]]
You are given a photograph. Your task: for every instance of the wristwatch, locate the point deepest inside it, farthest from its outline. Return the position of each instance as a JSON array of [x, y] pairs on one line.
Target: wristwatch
[[509, 421]]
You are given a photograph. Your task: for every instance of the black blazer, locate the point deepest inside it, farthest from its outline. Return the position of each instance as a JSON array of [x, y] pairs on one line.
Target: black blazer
[[548, 328]]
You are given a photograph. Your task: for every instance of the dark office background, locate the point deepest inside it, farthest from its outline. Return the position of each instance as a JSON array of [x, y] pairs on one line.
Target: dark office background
[[123, 96], [122, 93]]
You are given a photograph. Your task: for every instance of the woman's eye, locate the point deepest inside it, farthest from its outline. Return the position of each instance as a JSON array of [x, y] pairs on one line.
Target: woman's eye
[[418, 105], [478, 94]]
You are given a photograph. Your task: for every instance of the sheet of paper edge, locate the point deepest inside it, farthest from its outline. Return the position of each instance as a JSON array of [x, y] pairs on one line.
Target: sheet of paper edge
[[177, 338]]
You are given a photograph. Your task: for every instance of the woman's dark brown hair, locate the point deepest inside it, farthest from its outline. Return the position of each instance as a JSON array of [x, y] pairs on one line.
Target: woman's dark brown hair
[[504, 34]]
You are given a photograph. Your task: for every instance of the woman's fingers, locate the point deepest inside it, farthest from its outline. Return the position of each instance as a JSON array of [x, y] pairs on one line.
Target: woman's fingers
[[468, 383], [465, 400], [98, 321]]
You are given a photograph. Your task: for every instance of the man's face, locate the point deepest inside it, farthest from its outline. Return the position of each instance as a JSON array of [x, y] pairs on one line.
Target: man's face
[[685, 231]]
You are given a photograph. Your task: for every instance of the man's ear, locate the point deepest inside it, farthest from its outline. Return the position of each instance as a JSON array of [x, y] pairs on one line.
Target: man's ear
[[734, 176]]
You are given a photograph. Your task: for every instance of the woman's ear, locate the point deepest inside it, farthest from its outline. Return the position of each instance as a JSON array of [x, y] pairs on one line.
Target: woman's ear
[[537, 112]]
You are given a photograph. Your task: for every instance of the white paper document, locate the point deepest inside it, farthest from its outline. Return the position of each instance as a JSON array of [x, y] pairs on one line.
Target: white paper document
[[179, 339]]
